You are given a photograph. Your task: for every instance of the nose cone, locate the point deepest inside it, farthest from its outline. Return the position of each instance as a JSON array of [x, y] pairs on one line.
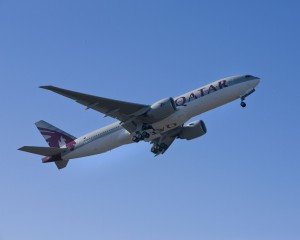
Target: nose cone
[[252, 80], [255, 82]]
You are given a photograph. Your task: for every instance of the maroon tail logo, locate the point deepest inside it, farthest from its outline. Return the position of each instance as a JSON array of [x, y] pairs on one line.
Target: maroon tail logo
[[56, 139]]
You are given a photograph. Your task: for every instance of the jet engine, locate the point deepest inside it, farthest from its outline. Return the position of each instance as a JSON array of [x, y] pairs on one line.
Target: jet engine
[[161, 109], [193, 130]]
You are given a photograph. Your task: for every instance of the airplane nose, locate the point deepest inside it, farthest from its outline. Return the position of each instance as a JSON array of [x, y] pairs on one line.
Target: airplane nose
[[255, 82]]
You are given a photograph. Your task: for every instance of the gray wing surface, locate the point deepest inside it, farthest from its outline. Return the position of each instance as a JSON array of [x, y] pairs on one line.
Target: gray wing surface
[[123, 111]]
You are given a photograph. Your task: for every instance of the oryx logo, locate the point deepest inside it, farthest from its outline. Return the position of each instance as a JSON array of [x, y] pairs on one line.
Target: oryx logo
[[54, 138]]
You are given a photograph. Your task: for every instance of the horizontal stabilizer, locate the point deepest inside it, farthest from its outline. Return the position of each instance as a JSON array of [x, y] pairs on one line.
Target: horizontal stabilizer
[[44, 151]]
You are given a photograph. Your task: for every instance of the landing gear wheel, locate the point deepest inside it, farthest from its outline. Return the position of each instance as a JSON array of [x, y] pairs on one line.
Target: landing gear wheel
[[243, 104], [157, 148], [154, 150], [138, 135], [135, 139], [145, 135], [164, 146]]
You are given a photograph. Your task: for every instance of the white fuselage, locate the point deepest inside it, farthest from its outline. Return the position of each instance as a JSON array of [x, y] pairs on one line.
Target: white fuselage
[[189, 105]]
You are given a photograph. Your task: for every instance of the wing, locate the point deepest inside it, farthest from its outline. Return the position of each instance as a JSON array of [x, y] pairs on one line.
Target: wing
[[124, 111]]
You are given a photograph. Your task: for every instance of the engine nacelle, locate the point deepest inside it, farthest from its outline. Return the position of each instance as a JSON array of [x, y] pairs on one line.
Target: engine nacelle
[[161, 109], [193, 130]]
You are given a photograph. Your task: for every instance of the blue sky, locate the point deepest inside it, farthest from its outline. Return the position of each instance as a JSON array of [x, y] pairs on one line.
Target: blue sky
[[240, 181]]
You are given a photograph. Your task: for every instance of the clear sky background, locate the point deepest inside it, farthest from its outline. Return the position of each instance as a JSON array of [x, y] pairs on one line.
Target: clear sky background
[[240, 181]]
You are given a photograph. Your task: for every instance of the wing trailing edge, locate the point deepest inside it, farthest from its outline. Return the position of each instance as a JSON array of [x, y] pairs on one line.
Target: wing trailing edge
[[109, 107]]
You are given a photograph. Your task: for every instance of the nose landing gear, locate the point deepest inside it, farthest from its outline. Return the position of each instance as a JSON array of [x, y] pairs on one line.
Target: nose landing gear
[[243, 104], [243, 97]]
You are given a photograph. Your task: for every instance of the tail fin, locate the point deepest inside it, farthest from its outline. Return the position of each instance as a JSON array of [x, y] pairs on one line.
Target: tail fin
[[54, 136], [61, 164]]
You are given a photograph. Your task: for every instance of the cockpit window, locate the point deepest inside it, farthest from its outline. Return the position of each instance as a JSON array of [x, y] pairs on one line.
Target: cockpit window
[[248, 76]]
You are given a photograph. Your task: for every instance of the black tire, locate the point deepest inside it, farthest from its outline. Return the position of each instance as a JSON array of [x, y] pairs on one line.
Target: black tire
[[243, 104], [159, 148], [154, 150], [145, 135], [164, 146]]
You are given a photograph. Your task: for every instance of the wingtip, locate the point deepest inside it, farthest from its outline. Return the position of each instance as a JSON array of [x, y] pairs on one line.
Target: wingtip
[[47, 87], [21, 148]]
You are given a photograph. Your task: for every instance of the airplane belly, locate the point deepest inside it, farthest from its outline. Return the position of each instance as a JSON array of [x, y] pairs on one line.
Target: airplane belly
[[173, 121]]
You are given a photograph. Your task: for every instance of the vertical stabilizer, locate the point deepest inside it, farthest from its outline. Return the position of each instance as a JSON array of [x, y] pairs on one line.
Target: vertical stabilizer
[[61, 164], [54, 136]]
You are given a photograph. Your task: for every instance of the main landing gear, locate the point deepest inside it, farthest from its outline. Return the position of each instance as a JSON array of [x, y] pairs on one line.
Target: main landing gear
[[159, 148], [140, 136], [243, 104]]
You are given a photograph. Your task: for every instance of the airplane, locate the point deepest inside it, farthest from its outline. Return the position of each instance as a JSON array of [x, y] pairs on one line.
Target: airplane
[[160, 123]]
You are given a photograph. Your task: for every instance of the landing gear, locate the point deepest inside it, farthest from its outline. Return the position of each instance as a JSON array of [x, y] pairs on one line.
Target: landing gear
[[146, 127], [145, 135], [135, 139], [243, 104], [155, 149], [159, 148], [164, 146], [246, 94], [140, 136]]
